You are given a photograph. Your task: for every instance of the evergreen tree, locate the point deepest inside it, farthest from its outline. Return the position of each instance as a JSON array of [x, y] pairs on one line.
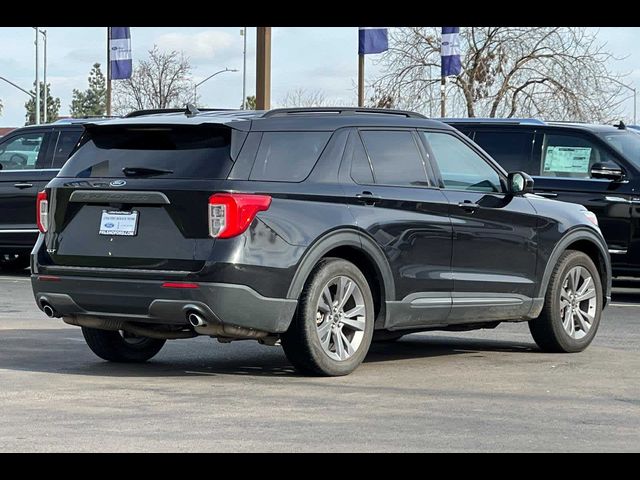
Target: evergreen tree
[[53, 106], [93, 101]]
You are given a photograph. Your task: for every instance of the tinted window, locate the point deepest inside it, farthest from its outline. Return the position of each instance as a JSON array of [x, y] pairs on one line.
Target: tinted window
[[395, 157], [462, 168], [627, 143], [23, 152], [64, 144], [187, 152], [570, 156], [360, 167], [511, 149], [288, 156]]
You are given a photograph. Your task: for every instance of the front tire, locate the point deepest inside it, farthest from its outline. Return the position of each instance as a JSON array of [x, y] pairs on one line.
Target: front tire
[[331, 332], [572, 308], [120, 347]]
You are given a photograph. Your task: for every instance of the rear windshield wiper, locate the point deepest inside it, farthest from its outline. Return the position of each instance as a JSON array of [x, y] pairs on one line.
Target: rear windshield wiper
[[144, 172]]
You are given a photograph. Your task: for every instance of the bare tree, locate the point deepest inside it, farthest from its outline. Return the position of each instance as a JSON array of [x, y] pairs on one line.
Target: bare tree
[[161, 81], [550, 72], [301, 97]]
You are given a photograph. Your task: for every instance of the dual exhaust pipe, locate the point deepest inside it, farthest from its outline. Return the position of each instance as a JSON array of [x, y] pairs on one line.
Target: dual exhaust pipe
[[49, 311]]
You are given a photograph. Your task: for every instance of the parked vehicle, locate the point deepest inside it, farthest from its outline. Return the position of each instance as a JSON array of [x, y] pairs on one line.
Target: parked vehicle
[[29, 158], [315, 228], [597, 166]]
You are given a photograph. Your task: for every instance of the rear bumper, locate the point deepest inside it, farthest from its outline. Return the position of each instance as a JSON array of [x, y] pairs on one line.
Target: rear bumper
[[147, 301]]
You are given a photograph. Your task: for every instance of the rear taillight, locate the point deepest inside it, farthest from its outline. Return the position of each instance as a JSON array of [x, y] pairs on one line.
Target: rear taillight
[[42, 212], [230, 214]]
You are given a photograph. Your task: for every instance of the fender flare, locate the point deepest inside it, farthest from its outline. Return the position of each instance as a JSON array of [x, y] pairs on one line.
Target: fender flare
[[343, 238], [575, 235]]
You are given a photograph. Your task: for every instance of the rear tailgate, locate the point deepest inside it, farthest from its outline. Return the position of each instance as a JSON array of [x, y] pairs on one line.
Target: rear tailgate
[[136, 197]]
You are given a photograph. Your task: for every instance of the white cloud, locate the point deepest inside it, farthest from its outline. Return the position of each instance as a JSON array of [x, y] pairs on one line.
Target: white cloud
[[204, 45]]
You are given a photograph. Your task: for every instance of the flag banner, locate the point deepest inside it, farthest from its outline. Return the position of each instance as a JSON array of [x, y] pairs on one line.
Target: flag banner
[[120, 53], [450, 52], [372, 40]]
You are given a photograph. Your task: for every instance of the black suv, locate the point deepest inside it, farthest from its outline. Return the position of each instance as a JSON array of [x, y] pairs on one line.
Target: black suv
[[597, 166], [310, 227], [29, 158]]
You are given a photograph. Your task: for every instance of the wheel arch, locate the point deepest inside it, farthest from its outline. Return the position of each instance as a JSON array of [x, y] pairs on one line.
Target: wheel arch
[[586, 241], [359, 249]]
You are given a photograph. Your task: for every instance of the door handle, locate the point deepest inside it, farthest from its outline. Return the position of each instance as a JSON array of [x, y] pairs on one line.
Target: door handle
[[546, 194], [368, 198], [468, 206], [23, 185]]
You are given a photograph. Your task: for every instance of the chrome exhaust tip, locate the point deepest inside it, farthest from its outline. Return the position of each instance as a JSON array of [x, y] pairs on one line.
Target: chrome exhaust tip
[[196, 320], [48, 310]]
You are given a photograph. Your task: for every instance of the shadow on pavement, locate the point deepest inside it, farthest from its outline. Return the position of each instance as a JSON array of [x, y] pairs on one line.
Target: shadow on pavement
[[26, 273], [63, 351]]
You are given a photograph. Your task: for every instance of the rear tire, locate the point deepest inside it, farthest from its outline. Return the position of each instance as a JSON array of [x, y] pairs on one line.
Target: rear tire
[[14, 262], [331, 333], [572, 307], [114, 347]]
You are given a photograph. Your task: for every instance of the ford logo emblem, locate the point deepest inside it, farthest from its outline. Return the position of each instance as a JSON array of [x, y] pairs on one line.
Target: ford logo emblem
[[109, 225], [118, 183]]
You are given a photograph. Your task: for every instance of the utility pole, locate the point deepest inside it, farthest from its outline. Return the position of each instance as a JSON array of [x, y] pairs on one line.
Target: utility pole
[[108, 74], [243, 32], [37, 82], [263, 68]]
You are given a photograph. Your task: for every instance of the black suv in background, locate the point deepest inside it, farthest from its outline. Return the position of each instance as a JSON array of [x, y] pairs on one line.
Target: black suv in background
[[29, 158], [597, 166], [310, 227]]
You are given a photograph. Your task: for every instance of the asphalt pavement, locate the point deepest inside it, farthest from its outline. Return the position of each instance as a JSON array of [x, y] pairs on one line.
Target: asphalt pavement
[[489, 390]]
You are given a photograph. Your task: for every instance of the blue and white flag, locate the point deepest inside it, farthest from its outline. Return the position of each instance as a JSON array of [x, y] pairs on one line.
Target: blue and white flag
[[450, 52], [372, 40], [120, 53]]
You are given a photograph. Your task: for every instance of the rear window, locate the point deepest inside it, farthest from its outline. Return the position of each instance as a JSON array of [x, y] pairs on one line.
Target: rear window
[[178, 151], [288, 156]]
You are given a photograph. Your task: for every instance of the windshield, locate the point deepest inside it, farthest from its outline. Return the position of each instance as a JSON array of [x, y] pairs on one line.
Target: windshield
[[627, 143]]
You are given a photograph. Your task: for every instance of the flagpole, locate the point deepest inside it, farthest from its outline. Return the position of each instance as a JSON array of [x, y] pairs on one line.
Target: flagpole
[[361, 80], [443, 83], [108, 75]]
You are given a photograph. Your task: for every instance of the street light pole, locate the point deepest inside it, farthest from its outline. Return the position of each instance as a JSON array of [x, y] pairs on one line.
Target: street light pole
[[37, 82], [18, 87], [46, 87], [244, 69], [195, 87]]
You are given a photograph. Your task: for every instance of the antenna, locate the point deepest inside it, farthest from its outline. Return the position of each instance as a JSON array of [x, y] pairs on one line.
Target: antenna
[[191, 110]]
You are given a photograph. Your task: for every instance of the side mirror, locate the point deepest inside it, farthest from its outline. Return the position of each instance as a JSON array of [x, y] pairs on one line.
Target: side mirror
[[520, 183], [609, 171]]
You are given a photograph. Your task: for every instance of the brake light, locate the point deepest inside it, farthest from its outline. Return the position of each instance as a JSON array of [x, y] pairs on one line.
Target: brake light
[[42, 212], [230, 214]]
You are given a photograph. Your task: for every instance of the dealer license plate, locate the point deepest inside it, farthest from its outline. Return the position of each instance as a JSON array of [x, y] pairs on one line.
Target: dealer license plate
[[119, 223]]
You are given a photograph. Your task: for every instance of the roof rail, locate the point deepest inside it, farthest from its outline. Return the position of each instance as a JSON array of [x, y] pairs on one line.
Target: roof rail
[[155, 111], [85, 117], [281, 112], [502, 121]]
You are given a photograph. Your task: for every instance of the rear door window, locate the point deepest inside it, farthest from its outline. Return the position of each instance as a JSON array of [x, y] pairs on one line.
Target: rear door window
[[511, 149], [288, 156], [177, 151], [395, 157]]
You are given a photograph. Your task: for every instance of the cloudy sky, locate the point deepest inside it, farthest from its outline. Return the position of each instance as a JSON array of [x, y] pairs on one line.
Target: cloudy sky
[[316, 59]]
